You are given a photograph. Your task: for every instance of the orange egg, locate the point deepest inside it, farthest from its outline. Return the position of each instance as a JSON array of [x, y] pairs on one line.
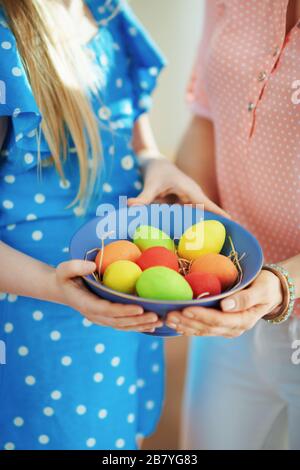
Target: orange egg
[[219, 265], [117, 251]]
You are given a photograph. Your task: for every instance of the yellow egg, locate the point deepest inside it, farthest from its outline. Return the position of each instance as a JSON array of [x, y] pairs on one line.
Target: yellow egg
[[122, 276], [205, 237]]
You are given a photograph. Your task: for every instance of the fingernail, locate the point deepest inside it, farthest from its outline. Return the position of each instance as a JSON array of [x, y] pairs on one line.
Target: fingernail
[[172, 325], [175, 320], [153, 320], [228, 304], [91, 264], [188, 314], [139, 311]]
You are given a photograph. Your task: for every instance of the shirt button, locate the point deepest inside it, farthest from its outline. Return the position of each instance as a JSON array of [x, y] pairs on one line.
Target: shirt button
[[251, 107], [262, 76]]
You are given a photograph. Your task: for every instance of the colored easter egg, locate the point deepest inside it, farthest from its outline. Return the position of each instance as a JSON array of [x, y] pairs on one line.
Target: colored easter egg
[[220, 266], [116, 251], [205, 237], [146, 237], [162, 283], [158, 256], [204, 283], [122, 276]]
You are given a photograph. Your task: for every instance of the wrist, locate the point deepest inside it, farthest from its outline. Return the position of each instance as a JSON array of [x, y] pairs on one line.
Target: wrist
[[149, 153], [54, 290], [277, 290], [148, 156]]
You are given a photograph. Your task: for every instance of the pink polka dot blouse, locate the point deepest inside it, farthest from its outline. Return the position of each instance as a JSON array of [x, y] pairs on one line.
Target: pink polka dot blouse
[[247, 81]]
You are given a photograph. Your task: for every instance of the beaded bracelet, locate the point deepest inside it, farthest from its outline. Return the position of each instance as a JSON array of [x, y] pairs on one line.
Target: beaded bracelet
[[288, 286]]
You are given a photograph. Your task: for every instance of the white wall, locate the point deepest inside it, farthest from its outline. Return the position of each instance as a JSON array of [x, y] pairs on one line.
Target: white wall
[[176, 27]]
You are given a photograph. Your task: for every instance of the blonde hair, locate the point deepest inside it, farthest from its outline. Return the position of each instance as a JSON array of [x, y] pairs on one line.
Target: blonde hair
[[61, 76]]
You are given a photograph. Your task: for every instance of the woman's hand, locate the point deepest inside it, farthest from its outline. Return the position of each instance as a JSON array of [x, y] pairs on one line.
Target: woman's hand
[[64, 285], [72, 292], [162, 179], [240, 312]]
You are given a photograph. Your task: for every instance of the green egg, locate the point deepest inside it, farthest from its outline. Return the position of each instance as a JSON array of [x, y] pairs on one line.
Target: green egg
[[160, 283], [146, 237]]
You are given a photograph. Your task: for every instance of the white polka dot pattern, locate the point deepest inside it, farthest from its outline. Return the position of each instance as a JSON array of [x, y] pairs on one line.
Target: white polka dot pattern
[[72, 383]]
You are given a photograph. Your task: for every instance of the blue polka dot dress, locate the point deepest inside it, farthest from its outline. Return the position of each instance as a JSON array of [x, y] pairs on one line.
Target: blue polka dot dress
[[69, 384]]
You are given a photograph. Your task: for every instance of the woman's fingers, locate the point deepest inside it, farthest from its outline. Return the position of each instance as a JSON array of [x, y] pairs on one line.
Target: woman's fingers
[[190, 327], [144, 328], [188, 192], [196, 196], [147, 196], [120, 310], [240, 312], [210, 322], [164, 179], [149, 319], [184, 198], [208, 317], [243, 300], [146, 319], [265, 290], [75, 268], [126, 326], [89, 304], [212, 207], [99, 311]]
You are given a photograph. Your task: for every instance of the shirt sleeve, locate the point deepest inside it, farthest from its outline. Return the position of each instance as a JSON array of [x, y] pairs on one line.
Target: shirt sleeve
[[197, 96]]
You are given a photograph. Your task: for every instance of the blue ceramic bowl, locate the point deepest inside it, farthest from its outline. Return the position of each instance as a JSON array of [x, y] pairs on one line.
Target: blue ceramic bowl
[[88, 237]]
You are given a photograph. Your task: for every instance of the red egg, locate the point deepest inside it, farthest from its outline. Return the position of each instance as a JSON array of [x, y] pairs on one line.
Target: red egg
[[158, 256], [204, 283]]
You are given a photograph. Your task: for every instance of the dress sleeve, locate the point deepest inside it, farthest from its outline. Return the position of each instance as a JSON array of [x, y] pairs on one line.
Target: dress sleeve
[[17, 102], [197, 96], [145, 59]]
